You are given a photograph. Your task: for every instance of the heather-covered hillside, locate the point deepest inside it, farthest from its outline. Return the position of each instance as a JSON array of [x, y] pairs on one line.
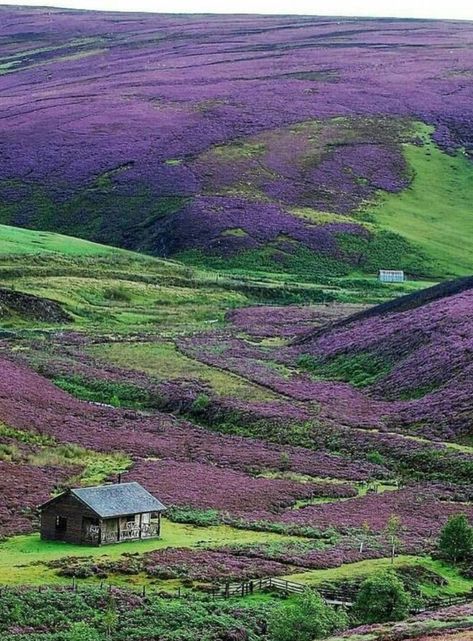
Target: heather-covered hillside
[[417, 349], [301, 145]]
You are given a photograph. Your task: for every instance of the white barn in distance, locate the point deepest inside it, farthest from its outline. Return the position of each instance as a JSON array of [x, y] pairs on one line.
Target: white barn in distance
[[391, 276]]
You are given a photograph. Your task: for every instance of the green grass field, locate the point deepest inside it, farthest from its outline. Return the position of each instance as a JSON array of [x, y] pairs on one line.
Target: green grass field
[[109, 289], [436, 211], [165, 362], [22, 558], [455, 582], [17, 241]]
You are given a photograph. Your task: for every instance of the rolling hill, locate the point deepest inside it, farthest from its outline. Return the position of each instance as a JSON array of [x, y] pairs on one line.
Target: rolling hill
[[306, 146], [193, 210], [416, 349]]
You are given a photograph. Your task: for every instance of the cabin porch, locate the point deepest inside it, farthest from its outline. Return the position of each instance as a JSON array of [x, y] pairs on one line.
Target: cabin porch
[[133, 527]]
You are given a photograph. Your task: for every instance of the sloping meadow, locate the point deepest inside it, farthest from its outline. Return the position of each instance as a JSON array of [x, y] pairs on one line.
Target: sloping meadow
[[269, 143]]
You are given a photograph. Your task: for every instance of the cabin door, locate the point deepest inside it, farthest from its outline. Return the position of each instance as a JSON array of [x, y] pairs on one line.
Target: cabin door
[[90, 530], [61, 527]]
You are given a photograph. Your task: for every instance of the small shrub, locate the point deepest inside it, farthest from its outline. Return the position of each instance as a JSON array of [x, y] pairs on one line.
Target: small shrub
[[82, 632], [306, 619], [201, 403], [117, 293], [376, 457], [203, 518], [308, 363], [382, 597]]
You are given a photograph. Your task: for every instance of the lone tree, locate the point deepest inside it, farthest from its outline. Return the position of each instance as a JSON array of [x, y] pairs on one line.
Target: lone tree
[[392, 531], [382, 597], [456, 539], [364, 535], [306, 619]]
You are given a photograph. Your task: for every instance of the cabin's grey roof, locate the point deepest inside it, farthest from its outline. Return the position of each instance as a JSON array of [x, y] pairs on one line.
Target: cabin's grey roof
[[118, 500]]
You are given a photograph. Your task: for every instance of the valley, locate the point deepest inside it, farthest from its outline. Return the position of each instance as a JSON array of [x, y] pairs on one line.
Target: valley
[[193, 214]]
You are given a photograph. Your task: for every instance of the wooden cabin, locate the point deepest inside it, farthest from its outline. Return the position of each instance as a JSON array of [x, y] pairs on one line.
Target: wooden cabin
[[101, 515]]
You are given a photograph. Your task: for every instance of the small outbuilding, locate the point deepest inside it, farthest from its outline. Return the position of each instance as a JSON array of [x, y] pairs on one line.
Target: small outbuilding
[[391, 276], [102, 514]]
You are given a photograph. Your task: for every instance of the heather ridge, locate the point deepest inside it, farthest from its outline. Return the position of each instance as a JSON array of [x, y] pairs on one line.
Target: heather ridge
[[414, 351], [406, 303], [307, 146]]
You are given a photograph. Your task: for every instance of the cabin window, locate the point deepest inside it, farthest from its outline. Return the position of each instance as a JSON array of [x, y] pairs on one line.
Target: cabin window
[[61, 523]]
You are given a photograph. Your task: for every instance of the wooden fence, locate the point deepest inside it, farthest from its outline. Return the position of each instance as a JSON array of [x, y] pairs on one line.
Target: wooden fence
[[437, 603], [333, 597], [337, 597]]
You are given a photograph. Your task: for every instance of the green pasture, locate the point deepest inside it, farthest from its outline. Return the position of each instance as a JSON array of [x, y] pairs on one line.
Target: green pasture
[[106, 288], [121, 304], [435, 212], [165, 362], [22, 557], [17, 241], [455, 582]]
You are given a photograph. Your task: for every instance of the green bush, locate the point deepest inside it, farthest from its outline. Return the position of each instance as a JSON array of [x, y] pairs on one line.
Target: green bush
[[305, 619], [117, 293], [203, 518], [376, 458], [201, 403], [360, 370], [107, 392], [382, 597], [82, 632]]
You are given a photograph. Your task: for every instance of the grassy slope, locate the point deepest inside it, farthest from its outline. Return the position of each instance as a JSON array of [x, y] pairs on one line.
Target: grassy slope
[[436, 211], [20, 555], [16, 241], [165, 362], [455, 582], [111, 289], [108, 288]]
